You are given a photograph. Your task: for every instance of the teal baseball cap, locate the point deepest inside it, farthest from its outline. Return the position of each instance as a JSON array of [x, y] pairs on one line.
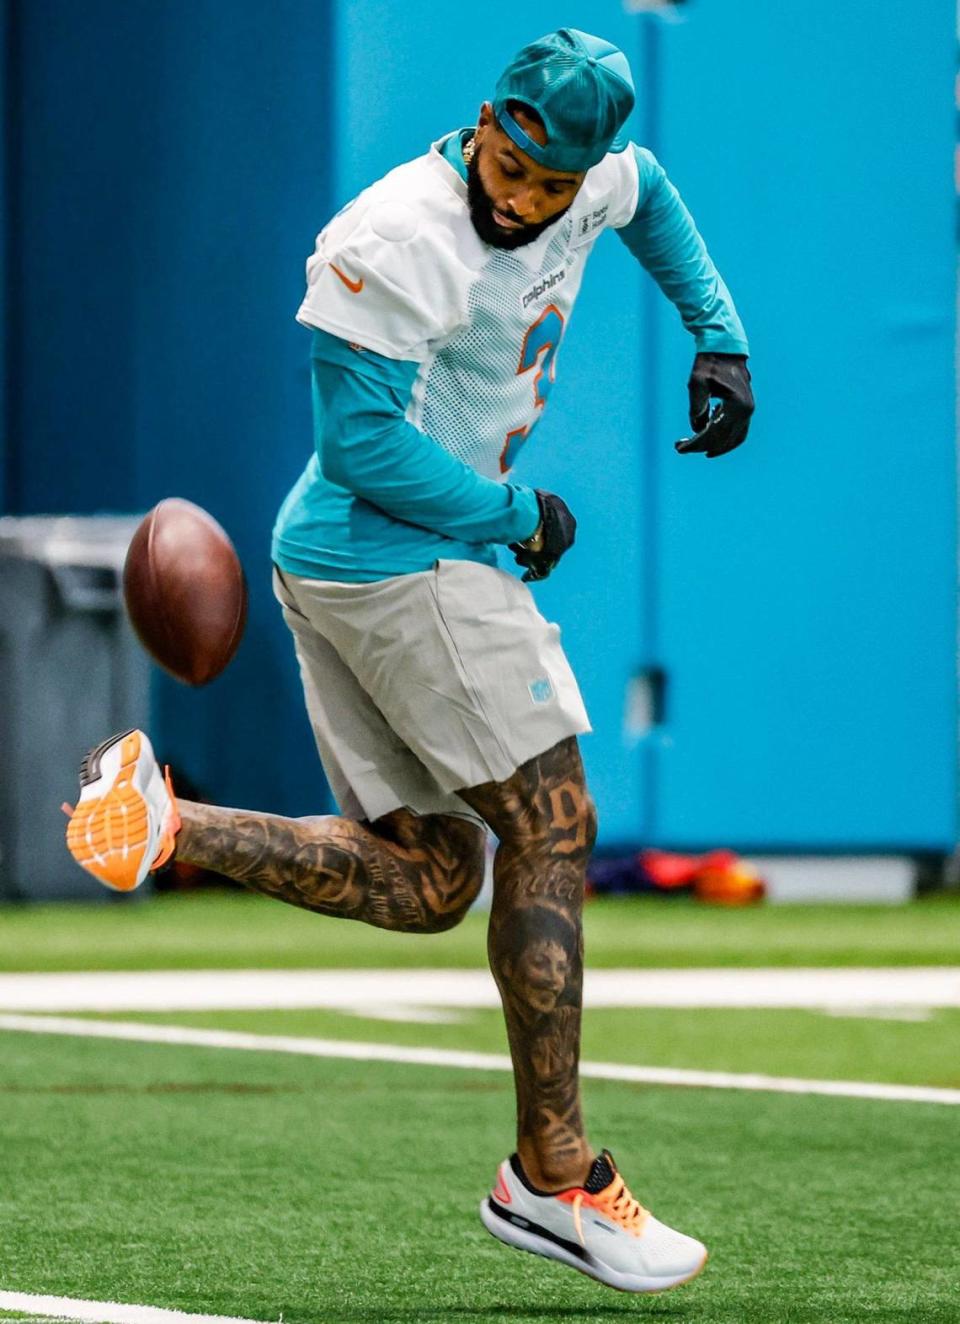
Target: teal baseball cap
[[582, 89]]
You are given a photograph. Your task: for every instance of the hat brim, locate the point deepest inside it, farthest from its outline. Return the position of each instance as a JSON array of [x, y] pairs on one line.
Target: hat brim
[[620, 143], [545, 156]]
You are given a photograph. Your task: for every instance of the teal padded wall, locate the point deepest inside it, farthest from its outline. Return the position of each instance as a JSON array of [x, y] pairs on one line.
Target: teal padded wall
[[807, 624]]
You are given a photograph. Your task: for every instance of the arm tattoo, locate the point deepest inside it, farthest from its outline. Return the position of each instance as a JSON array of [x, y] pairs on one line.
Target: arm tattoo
[[415, 873], [546, 824]]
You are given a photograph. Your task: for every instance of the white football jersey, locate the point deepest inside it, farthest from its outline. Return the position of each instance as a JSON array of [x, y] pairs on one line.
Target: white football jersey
[[401, 271]]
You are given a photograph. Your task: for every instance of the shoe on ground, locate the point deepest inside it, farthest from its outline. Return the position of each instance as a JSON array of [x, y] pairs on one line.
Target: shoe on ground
[[597, 1228], [126, 821]]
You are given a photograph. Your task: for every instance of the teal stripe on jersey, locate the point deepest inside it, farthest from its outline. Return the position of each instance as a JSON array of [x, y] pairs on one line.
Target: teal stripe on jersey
[[379, 498]]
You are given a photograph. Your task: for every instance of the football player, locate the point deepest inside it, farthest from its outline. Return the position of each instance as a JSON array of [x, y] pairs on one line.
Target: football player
[[441, 700]]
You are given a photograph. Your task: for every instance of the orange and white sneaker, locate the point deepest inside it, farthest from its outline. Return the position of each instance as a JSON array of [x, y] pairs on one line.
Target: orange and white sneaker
[[598, 1228], [126, 819]]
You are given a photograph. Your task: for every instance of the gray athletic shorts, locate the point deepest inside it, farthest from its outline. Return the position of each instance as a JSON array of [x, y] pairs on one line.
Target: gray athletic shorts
[[422, 684]]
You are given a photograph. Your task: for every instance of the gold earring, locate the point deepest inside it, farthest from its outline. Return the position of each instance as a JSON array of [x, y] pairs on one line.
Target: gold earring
[[469, 148]]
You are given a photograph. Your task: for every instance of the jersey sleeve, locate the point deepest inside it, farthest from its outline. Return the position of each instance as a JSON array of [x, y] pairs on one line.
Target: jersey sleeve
[[624, 184], [374, 280], [663, 236], [607, 197]]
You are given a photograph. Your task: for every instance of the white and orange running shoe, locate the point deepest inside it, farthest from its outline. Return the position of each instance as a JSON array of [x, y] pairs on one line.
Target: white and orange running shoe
[[598, 1228], [126, 821]]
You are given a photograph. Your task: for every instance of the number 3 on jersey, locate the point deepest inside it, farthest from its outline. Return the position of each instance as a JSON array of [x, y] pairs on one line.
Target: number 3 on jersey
[[540, 346]]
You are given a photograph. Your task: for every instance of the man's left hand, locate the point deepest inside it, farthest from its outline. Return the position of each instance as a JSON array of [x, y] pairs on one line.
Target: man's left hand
[[554, 535], [723, 377]]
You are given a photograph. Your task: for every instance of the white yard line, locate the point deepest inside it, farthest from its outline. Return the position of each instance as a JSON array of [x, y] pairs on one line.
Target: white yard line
[[414, 992], [440, 1057], [106, 1312]]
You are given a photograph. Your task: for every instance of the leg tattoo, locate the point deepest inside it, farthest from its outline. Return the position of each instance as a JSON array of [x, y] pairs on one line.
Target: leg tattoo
[[546, 824], [415, 873]]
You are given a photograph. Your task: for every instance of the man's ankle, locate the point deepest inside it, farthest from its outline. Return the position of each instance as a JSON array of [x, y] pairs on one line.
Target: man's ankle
[[545, 1175]]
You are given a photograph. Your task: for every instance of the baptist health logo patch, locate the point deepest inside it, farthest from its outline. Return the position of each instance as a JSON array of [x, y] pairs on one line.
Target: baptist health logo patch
[[541, 691], [587, 225]]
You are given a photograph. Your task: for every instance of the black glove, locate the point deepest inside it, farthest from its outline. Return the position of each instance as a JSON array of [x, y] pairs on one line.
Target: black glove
[[724, 377], [556, 535]]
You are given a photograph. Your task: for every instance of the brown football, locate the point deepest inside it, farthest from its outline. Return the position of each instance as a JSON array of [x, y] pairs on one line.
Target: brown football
[[185, 591]]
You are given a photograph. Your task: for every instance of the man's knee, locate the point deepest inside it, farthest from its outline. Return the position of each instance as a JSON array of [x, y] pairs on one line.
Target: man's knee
[[544, 806], [565, 826], [448, 855], [590, 822], [458, 849]]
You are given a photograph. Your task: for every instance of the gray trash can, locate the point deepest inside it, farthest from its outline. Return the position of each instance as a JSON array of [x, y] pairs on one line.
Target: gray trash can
[[71, 673]]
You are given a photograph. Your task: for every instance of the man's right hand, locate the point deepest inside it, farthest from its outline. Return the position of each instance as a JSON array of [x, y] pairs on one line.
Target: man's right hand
[[554, 535]]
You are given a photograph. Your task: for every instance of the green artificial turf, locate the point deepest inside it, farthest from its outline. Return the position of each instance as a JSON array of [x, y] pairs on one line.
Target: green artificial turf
[[232, 930], [335, 1192], [256, 1184], [33, 1319], [776, 1043]]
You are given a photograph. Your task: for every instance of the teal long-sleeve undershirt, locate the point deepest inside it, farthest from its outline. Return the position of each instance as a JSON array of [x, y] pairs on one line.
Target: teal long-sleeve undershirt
[[664, 238], [379, 497]]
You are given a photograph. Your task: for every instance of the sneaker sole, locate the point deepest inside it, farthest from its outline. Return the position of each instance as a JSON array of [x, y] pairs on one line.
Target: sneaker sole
[[526, 1239], [108, 834]]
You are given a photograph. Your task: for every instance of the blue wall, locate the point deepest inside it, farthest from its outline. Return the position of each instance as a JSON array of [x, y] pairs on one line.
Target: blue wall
[[5, 98], [172, 169]]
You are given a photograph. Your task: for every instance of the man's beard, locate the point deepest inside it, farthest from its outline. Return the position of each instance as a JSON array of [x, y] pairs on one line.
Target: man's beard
[[481, 214]]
